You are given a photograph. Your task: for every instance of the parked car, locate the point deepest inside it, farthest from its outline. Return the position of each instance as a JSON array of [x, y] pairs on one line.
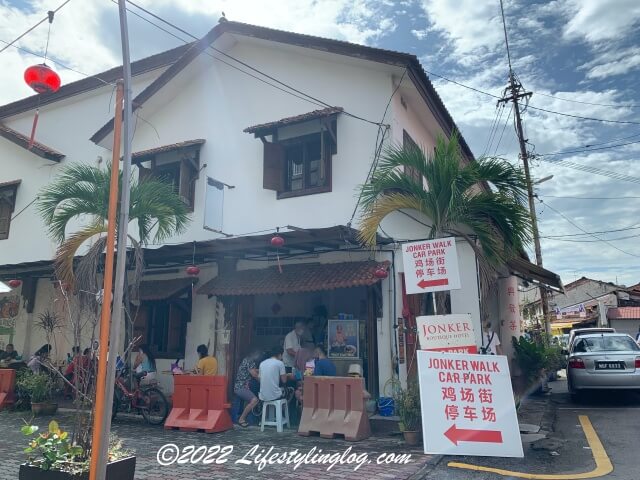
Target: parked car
[[603, 361], [587, 331]]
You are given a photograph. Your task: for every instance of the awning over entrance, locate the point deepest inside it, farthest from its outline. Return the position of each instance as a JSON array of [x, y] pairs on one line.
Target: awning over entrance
[[305, 277], [531, 272], [163, 289]]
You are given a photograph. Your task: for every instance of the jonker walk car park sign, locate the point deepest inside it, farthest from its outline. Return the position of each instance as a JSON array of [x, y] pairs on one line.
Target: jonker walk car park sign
[[431, 265], [467, 405]]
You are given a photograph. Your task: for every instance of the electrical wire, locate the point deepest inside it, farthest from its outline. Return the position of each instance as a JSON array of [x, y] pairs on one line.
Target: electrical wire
[[594, 170], [29, 30], [244, 64], [495, 152], [592, 241], [625, 229], [590, 198], [585, 150], [588, 233], [620, 105], [493, 129]]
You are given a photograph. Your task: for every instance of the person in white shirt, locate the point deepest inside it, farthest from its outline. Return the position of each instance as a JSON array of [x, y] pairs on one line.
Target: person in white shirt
[[292, 345], [490, 340], [272, 373]]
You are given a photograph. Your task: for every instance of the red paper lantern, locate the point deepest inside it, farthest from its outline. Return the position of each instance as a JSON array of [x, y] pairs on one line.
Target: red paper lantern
[[193, 270], [381, 273], [14, 283], [42, 78], [277, 241]]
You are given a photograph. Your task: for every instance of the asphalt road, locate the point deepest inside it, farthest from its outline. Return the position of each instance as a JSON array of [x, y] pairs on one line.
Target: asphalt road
[[615, 417]]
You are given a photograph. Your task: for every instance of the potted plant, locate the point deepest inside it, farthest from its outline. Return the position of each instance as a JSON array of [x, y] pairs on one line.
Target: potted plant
[[52, 455], [39, 387], [407, 403]]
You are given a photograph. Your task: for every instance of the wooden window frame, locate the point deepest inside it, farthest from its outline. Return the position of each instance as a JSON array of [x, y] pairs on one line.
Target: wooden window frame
[[10, 191], [150, 308], [409, 143]]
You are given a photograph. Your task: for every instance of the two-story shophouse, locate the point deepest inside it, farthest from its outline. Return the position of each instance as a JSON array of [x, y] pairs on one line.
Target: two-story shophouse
[[261, 131]]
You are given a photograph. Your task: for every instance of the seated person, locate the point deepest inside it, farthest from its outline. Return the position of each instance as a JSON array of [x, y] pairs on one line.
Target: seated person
[[38, 358], [144, 365], [272, 373], [303, 356], [207, 365], [247, 370], [323, 366], [9, 354], [355, 371]]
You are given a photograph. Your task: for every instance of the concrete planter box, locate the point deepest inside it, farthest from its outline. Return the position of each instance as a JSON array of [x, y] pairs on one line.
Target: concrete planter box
[[120, 470]]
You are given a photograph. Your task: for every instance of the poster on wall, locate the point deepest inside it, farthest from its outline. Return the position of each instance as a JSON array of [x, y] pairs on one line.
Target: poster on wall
[[9, 309], [343, 338]]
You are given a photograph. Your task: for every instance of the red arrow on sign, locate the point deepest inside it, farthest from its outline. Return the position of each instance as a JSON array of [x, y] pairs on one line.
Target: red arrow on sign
[[463, 435], [433, 283]]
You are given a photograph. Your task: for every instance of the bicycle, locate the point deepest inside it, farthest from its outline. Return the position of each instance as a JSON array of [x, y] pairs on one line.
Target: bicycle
[[145, 400]]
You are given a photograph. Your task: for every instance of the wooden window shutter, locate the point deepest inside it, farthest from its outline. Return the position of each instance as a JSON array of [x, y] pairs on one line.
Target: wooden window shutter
[[188, 174], [5, 219], [273, 167]]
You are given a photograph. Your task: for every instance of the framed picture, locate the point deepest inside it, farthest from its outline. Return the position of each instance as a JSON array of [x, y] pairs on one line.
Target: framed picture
[[343, 338]]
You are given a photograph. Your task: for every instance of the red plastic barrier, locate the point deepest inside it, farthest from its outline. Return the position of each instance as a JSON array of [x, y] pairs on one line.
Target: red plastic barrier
[[7, 386], [199, 403], [334, 406]]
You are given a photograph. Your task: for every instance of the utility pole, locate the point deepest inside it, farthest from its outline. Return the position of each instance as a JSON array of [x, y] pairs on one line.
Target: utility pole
[[100, 449], [517, 92]]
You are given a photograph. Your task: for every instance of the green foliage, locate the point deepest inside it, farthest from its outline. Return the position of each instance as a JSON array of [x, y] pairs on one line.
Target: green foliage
[[37, 386], [52, 449], [451, 197], [407, 404], [536, 357], [23, 400]]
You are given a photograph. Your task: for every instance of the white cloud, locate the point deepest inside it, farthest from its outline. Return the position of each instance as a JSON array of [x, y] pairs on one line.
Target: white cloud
[[597, 21]]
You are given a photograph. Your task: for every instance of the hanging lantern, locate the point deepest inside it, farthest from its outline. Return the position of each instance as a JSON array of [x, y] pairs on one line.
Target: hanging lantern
[[277, 241], [14, 283], [193, 270], [381, 273], [42, 79]]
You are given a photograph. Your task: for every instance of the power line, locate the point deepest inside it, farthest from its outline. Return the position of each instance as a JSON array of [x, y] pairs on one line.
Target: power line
[[584, 150], [625, 229], [592, 241], [590, 198], [506, 122], [314, 99], [594, 170], [29, 30], [620, 105], [588, 233]]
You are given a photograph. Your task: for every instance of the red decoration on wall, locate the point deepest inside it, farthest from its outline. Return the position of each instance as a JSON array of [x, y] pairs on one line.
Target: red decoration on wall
[[14, 283], [381, 272], [277, 241], [42, 79], [193, 270]]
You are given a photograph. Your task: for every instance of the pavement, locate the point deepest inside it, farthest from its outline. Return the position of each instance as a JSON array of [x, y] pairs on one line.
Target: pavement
[[241, 456]]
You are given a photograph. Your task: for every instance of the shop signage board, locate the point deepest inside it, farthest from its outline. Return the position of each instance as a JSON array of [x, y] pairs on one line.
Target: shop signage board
[[467, 405], [447, 333], [431, 265]]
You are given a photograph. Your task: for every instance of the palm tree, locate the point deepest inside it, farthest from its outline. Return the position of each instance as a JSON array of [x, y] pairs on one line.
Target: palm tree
[[484, 198], [82, 190]]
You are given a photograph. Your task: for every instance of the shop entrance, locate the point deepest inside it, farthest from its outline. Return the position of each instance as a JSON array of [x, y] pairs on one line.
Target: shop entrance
[[343, 320]]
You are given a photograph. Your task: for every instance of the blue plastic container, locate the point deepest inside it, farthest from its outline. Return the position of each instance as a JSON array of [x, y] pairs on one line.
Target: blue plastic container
[[386, 406]]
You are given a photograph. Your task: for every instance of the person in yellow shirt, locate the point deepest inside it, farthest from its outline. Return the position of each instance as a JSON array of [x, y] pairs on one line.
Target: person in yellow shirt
[[207, 365]]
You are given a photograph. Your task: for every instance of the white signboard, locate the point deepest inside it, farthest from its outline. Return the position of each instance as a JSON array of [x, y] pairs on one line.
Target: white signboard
[[447, 333], [431, 265], [467, 405], [575, 311]]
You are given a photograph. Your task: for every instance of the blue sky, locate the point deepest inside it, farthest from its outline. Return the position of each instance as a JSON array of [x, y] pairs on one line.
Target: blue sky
[[580, 50]]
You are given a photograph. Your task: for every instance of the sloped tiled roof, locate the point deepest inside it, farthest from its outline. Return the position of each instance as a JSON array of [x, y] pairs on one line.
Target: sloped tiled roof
[[325, 112], [37, 148], [163, 289], [166, 148], [306, 277], [632, 313]]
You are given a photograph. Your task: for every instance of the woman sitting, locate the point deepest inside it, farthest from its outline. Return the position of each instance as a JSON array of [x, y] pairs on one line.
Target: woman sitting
[[144, 365]]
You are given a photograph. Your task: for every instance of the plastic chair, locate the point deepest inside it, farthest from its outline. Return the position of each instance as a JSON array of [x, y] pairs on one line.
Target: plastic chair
[[280, 420]]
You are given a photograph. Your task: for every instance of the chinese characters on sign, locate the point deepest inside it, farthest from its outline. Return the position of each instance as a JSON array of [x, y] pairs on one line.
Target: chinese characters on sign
[[467, 405], [510, 318], [447, 333], [431, 265]]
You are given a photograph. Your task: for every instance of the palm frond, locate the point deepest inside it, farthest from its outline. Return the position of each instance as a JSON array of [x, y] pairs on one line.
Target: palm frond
[[68, 250]]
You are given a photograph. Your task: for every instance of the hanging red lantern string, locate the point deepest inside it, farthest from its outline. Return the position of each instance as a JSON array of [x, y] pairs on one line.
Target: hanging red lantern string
[[193, 270], [381, 272], [42, 79], [14, 283], [277, 241]]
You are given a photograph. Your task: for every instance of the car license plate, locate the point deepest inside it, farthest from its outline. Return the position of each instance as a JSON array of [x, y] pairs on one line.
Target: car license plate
[[609, 366]]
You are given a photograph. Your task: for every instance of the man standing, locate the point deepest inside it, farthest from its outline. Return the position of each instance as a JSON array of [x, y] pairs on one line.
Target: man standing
[[272, 374], [490, 341], [292, 345], [206, 365]]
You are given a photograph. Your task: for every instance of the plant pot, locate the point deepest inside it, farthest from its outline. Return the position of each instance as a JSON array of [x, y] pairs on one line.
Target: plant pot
[[411, 437], [44, 408], [123, 469]]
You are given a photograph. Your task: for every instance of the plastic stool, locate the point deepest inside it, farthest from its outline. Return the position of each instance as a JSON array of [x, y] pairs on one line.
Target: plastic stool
[[279, 406]]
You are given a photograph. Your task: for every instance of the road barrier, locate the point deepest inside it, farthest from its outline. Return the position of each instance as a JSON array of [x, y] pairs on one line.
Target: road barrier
[[334, 406], [7, 387], [199, 404]]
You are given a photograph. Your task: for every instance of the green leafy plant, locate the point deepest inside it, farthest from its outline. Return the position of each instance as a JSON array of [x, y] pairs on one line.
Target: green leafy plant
[[52, 449], [407, 404], [531, 357], [37, 386]]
